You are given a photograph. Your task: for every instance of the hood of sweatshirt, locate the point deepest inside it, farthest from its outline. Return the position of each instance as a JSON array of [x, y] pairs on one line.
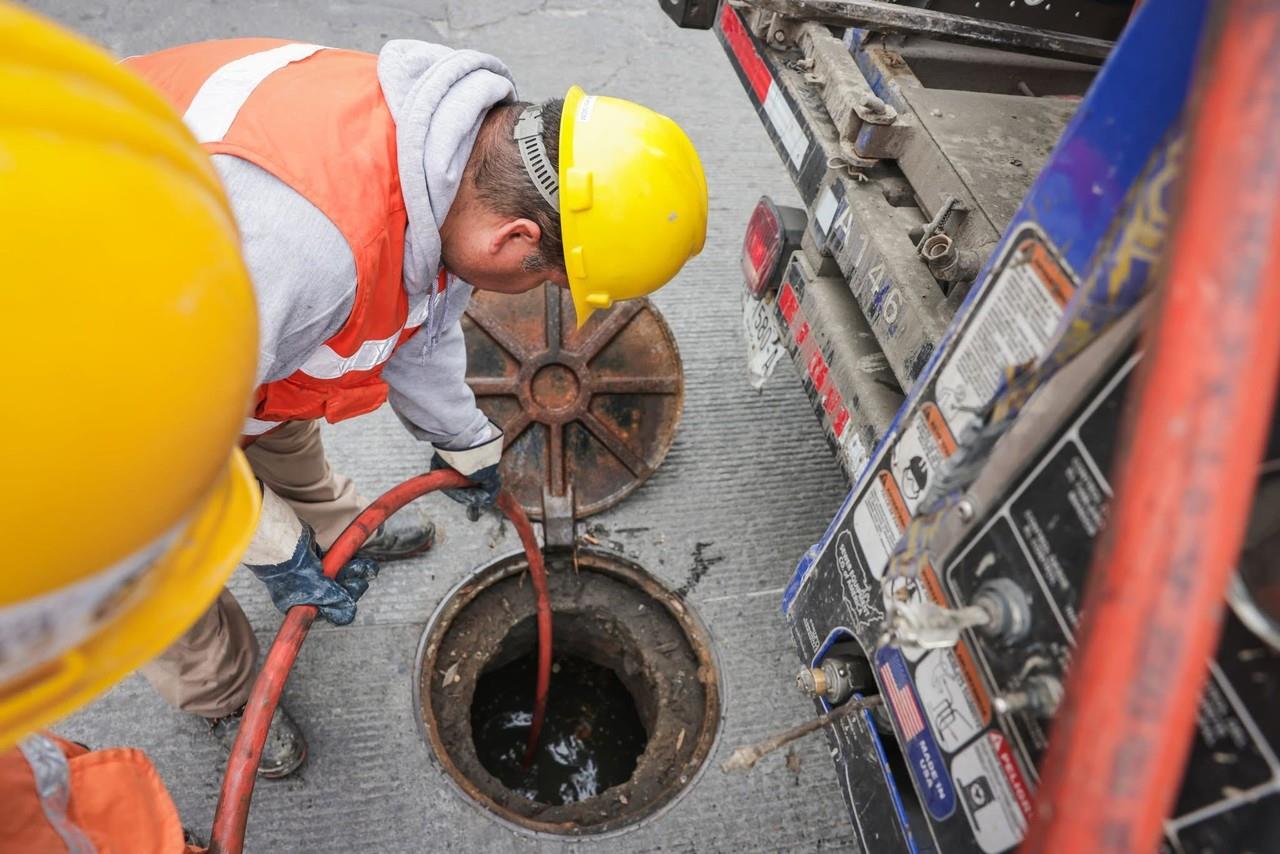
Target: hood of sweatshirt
[[438, 97]]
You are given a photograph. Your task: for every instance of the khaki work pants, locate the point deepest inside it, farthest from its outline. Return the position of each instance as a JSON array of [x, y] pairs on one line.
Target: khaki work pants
[[209, 671]]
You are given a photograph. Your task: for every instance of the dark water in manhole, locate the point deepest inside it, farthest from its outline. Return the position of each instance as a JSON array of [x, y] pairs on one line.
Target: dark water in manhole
[[591, 738]]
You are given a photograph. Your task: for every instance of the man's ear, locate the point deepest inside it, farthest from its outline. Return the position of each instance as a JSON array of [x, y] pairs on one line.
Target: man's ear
[[521, 235]]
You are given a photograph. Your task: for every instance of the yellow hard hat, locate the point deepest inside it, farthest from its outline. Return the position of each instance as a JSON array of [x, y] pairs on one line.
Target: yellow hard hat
[[128, 339], [633, 200]]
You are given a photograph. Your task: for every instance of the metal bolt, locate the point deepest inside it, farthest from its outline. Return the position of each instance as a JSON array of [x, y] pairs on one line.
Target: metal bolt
[[1040, 695], [779, 36], [964, 509], [1008, 607], [812, 681]]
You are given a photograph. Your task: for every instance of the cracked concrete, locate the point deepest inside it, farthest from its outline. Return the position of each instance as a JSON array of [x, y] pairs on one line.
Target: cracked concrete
[[749, 480], [467, 15]]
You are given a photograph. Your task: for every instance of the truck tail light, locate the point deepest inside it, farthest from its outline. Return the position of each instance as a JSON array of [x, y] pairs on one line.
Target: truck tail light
[[773, 233]]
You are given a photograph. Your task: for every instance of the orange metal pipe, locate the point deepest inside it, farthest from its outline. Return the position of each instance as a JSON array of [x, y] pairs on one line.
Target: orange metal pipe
[[1198, 419]]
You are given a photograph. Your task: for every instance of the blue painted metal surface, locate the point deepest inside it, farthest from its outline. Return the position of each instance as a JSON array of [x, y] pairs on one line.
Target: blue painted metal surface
[[1131, 109], [862, 804], [1098, 213]]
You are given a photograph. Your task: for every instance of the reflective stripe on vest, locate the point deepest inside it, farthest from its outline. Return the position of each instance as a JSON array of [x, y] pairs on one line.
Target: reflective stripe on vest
[[53, 784], [326, 364], [219, 99], [295, 110], [211, 114]]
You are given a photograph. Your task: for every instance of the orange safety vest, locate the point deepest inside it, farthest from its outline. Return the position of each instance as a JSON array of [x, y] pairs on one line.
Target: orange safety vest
[[59, 796], [315, 118]]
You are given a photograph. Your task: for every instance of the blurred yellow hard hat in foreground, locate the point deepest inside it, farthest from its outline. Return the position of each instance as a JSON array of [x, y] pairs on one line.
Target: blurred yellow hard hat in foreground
[[128, 339]]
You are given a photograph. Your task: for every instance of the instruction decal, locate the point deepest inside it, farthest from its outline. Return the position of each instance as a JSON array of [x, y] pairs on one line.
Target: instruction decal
[[949, 699], [1013, 325], [862, 596], [923, 755], [996, 798], [925, 445], [879, 520]]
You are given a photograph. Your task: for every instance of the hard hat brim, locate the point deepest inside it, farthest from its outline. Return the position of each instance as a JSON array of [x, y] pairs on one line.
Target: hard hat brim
[[577, 287], [166, 601], [633, 200]]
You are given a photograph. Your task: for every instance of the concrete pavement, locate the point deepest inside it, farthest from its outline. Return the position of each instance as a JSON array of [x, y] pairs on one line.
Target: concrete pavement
[[749, 478]]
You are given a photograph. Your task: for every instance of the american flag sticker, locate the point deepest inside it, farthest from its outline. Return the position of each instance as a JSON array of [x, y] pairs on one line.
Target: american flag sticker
[[902, 701], [924, 758]]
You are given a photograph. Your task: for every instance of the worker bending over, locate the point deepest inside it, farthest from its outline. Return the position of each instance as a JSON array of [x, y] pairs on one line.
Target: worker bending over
[[372, 193]]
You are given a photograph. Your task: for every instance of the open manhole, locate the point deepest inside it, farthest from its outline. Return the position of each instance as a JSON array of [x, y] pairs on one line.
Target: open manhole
[[633, 710]]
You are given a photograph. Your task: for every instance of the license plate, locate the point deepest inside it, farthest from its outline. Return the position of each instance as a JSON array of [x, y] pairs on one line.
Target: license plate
[[764, 347]]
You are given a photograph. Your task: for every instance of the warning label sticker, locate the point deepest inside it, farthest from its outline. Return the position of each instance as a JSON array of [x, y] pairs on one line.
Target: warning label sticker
[[995, 796], [1012, 326], [879, 520], [949, 699], [925, 445]]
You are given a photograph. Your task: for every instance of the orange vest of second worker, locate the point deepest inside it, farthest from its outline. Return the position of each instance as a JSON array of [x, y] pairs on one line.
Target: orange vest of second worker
[[64, 797], [315, 118]]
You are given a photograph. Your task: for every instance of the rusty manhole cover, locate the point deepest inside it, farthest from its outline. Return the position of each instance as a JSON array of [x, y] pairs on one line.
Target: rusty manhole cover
[[590, 411]]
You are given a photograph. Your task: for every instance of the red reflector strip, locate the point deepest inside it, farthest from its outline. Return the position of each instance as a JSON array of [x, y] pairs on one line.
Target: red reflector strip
[[818, 371], [839, 422], [752, 65], [830, 400], [828, 397], [787, 302]]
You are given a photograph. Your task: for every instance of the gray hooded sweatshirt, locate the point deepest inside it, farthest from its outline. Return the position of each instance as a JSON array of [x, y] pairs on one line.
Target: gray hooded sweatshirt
[[303, 271]]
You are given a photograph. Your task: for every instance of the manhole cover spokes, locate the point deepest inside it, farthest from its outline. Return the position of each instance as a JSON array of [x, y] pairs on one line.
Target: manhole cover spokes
[[593, 408]]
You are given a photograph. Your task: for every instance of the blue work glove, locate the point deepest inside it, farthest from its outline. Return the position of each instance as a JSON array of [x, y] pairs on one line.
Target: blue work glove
[[479, 464], [301, 581], [488, 483]]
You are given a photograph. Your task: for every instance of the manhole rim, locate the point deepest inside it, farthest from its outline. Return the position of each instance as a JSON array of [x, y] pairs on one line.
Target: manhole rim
[[508, 565]]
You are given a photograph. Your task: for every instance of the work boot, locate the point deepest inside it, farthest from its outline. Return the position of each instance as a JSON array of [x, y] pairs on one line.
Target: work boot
[[401, 536], [284, 750]]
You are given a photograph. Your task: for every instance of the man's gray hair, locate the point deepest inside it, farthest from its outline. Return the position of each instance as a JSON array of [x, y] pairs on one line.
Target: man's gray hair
[[504, 185]]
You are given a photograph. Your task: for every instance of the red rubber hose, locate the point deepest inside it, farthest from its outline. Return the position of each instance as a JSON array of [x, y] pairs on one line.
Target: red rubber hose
[[538, 574], [232, 815], [1198, 419]]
